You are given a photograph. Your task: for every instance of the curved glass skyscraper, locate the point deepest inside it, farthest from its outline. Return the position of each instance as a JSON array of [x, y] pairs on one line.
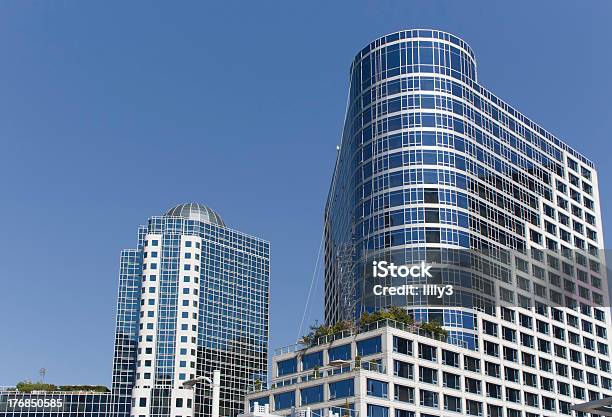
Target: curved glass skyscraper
[[429, 160], [435, 171]]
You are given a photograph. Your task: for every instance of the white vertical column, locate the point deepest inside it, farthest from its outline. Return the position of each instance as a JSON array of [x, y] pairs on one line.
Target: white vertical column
[[216, 393], [146, 354], [188, 297]]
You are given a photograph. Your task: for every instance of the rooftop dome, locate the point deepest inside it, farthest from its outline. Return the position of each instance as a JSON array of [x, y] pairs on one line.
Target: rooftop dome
[[195, 211]]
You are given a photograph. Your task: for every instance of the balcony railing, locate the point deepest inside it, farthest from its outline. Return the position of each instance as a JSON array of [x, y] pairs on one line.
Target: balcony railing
[[326, 412], [323, 372], [412, 328]]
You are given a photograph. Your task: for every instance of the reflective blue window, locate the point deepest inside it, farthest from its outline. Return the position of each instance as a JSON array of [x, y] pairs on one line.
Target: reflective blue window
[[377, 411], [340, 353], [284, 400], [377, 388], [341, 389], [312, 395], [312, 360], [288, 366], [369, 346]]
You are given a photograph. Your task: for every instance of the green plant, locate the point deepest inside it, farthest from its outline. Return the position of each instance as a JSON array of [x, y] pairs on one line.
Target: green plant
[[317, 373], [318, 331], [357, 361], [401, 315], [434, 328], [27, 386], [392, 313], [91, 388], [347, 408]]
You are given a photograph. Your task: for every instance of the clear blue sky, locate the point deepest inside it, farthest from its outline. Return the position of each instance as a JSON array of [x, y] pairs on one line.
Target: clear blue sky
[[114, 111]]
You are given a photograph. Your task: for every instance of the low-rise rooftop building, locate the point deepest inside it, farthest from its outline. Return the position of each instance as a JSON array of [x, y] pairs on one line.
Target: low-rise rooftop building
[[56, 403], [389, 369]]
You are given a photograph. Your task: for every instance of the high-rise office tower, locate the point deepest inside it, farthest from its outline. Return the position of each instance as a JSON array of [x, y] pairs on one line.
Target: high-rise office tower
[[430, 159], [193, 298], [434, 168]]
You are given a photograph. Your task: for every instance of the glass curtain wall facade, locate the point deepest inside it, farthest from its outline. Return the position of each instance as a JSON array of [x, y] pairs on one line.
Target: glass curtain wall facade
[[430, 159], [54, 404], [193, 298], [126, 332]]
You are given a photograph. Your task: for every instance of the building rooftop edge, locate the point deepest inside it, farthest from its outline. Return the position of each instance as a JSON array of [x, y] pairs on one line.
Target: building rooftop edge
[[564, 145]]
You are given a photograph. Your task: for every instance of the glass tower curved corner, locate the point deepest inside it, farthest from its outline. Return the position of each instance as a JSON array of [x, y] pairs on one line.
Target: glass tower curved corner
[[430, 159]]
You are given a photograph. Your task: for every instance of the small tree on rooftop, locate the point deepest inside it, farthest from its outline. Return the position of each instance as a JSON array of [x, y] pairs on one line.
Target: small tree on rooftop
[[318, 331], [434, 328], [28, 386], [398, 314], [401, 315]]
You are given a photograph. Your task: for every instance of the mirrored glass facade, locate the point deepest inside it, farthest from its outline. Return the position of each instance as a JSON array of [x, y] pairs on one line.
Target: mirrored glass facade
[[431, 160], [54, 404], [193, 298]]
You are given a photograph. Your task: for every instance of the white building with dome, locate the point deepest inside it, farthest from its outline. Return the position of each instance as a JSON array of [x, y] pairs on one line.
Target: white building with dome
[[193, 298]]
